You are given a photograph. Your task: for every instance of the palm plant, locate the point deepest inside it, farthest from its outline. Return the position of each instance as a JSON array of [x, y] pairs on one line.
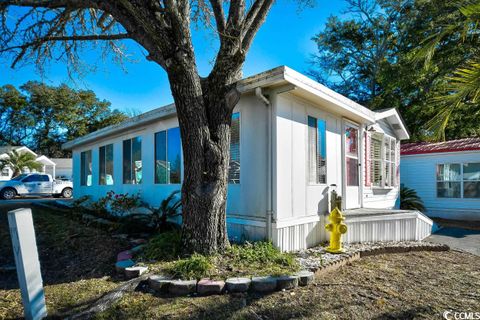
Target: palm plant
[[18, 161], [169, 207], [409, 200], [462, 86], [158, 220]]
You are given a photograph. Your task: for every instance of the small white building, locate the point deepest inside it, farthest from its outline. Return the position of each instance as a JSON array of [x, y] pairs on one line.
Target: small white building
[[48, 166], [446, 175], [63, 168], [292, 140]]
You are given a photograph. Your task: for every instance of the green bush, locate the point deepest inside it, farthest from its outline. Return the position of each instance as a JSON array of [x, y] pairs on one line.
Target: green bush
[[164, 246], [196, 266]]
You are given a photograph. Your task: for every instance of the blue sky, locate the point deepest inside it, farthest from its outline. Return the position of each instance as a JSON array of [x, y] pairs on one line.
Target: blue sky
[[284, 39]]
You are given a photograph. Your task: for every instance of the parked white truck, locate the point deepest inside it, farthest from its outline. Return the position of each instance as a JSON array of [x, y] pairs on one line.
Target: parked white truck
[[35, 184]]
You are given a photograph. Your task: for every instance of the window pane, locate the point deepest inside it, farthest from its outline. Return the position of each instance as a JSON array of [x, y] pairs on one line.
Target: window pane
[[471, 189], [234, 165], [387, 174], [352, 172], [351, 141], [317, 150], [174, 154], [471, 171], [376, 175], [101, 166], [312, 149], [86, 168], [448, 189], [127, 161], [322, 156], [137, 160], [109, 165], [161, 157], [448, 172]]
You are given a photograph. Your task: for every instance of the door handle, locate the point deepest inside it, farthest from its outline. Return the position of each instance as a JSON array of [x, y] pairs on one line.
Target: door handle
[[38, 184]]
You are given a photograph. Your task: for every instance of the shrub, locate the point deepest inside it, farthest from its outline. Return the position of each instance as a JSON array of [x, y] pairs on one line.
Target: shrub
[[122, 202], [409, 200], [196, 266], [164, 246]]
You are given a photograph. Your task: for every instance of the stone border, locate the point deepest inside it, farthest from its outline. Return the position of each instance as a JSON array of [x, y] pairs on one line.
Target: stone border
[[269, 283], [266, 284], [378, 251]]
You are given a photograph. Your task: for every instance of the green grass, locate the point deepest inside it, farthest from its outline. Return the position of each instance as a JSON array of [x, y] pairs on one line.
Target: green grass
[[248, 259], [193, 267]]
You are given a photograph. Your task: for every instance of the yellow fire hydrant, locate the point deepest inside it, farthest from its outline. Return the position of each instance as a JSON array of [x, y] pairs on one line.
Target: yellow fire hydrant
[[336, 228]]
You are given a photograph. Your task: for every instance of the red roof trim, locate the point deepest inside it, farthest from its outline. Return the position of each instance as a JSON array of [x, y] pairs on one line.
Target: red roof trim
[[468, 144]]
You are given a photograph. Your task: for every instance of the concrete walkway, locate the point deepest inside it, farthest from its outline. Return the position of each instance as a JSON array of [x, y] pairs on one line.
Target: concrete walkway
[[458, 238]]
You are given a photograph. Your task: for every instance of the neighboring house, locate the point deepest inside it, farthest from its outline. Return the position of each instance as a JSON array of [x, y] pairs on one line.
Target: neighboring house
[[63, 168], [292, 139], [6, 173], [446, 175]]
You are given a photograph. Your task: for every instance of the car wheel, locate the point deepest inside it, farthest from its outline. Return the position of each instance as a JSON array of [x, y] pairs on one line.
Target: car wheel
[[67, 193], [8, 193]]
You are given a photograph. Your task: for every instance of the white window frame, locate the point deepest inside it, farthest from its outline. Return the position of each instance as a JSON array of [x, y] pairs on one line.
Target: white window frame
[[461, 181], [389, 182], [309, 164]]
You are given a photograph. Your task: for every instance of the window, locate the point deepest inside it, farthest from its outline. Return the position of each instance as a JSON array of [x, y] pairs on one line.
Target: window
[[317, 150], [351, 155], [132, 161], [457, 180], [106, 165], [381, 160], [375, 160], [234, 165], [86, 168], [389, 167], [36, 178], [168, 156], [471, 180]]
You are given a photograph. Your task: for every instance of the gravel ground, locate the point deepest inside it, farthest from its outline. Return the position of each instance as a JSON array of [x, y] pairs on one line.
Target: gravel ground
[[313, 258]]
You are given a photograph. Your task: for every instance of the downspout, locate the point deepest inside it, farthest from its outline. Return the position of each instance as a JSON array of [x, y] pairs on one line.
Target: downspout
[[269, 212]]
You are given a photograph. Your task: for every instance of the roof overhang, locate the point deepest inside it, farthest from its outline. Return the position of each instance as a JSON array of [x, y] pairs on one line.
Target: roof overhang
[[271, 79], [309, 89], [396, 121], [45, 160], [131, 123]]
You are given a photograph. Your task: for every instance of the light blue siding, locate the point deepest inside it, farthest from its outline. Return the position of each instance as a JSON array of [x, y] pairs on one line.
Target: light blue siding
[[419, 172]]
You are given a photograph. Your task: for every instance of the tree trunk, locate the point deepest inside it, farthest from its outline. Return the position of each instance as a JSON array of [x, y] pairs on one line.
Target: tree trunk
[[204, 114]]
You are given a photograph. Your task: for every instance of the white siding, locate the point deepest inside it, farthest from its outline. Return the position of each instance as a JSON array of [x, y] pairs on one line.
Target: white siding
[[419, 172]]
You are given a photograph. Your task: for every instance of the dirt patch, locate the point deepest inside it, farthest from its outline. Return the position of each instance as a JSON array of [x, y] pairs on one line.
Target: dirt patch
[[417, 285], [68, 250]]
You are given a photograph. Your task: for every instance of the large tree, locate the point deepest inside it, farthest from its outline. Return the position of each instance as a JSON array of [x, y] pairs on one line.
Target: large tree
[[163, 28], [44, 117]]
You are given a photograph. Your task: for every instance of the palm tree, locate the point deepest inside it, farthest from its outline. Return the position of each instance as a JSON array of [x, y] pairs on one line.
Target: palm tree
[[18, 161], [409, 200], [463, 85]]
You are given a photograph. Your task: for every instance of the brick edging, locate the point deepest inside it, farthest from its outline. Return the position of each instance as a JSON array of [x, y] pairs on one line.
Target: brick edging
[[377, 251]]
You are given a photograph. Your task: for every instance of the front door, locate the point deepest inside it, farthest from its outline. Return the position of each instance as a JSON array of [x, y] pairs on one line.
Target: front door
[[352, 189]]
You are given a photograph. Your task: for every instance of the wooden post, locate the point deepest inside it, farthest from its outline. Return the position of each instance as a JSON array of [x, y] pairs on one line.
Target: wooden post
[[27, 263]]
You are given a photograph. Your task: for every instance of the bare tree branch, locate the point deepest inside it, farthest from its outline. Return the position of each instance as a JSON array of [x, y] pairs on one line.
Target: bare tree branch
[[217, 7]]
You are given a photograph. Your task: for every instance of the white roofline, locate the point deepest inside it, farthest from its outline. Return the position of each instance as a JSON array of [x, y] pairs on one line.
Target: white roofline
[[268, 78], [393, 113], [46, 159]]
